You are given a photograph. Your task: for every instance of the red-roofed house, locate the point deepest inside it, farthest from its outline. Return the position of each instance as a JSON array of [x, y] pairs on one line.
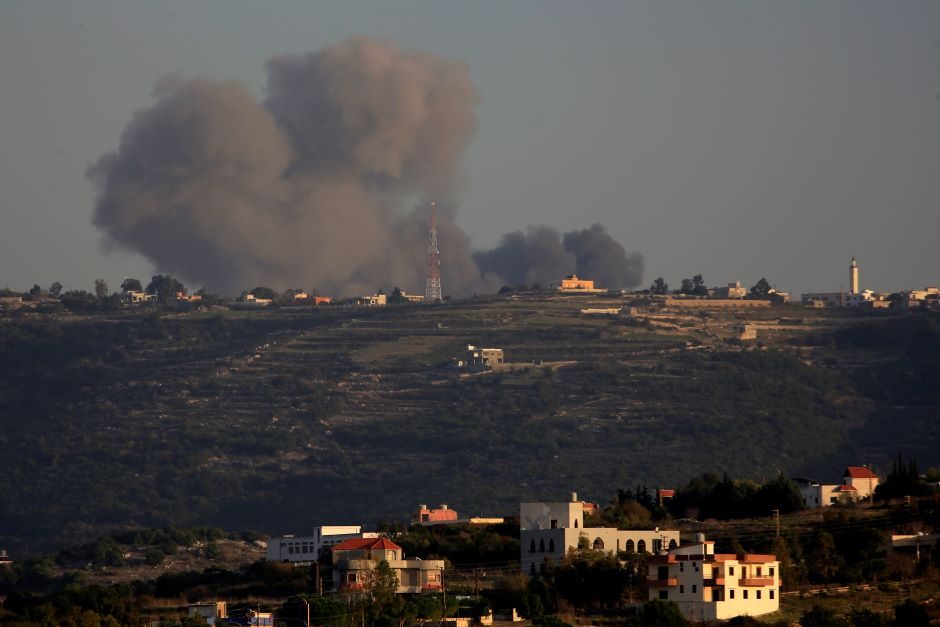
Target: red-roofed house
[[862, 479], [355, 559]]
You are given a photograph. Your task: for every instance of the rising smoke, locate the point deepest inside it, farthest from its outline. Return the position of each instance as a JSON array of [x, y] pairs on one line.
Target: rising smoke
[[307, 188]]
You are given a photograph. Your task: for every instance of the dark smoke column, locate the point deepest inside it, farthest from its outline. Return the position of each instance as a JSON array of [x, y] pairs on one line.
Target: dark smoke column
[[432, 288]]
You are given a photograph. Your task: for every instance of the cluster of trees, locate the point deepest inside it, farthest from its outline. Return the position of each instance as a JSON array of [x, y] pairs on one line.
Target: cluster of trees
[[696, 287], [708, 496]]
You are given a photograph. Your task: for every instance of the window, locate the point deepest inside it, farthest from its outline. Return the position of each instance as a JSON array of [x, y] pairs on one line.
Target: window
[[695, 566], [576, 523], [433, 575], [351, 577], [390, 555], [758, 594], [771, 594], [532, 568], [694, 588], [681, 567], [664, 594], [731, 570], [532, 545], [672, 544], [771, 571], [641, 546], [542, 545], [551, 545], [681, 589], [745, 594], [731, 594], [290, 549], [628, 547], [758, 571], [598, 544]]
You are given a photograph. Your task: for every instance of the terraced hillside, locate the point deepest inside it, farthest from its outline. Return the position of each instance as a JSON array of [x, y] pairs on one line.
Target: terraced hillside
[[278, 420]]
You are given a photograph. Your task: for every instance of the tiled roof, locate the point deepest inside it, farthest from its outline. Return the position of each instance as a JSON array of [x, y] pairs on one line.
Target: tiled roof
[[361, 544], [846, 488], [859, 472]]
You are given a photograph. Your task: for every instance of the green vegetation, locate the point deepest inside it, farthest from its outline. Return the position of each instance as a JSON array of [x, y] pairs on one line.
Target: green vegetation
[[271, 420]]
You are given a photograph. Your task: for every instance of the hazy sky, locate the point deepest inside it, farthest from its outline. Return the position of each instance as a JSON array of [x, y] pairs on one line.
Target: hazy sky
[[735, 139]]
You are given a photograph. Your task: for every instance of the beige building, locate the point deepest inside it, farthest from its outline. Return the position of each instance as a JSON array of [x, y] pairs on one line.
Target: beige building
[[732, 290], [209, 611], [858, 484], [547, 531], [354, 560], [744, 332], [305, 549], [711, 586], [480, 358]]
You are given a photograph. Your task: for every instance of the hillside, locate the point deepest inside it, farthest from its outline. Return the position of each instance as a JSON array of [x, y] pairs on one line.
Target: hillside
[[278, 420]]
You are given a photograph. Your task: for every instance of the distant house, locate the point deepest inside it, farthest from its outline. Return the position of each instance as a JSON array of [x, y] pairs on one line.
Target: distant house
[[572, 284], [134, 297], [5, 557], [712, 586], [182, 297], [479, 359], [547, 531], [354, 560], [305, 549], [744, 332], [373, 300], [732, 290], [446, 516], [209, 611], [858, 484]]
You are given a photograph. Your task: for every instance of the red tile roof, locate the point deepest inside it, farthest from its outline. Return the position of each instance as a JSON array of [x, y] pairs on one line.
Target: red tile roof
[[859, 472], [846, 488], [361, 544]]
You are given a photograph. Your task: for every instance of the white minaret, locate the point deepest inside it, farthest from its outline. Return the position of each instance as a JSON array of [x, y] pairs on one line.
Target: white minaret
[[853, 277]]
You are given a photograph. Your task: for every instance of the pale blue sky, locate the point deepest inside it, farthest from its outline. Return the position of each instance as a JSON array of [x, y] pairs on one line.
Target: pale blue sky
[[735, 139]]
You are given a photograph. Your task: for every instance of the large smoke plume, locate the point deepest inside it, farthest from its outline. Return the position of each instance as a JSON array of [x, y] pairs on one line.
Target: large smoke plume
[[306, 189]]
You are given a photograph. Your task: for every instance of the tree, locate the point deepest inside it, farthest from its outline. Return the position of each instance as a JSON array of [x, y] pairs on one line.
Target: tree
[[35, 291], [659, 613], [397, 297], [131, 285], [910, 614], [55, 289], [687, 286], [866, 618], [698, 285], [165, 287], [823, 559], [659, 286], [761, 289]]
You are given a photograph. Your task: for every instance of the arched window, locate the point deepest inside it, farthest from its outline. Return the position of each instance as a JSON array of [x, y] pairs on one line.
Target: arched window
[[532, 546], [641, 546], [672, 544], [628, 547], [532, 568], [542, 545], [551, 545], [576, 524], [598, 544]]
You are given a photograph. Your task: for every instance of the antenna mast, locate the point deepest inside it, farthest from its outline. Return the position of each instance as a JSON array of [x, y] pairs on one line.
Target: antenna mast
[[432, 290]]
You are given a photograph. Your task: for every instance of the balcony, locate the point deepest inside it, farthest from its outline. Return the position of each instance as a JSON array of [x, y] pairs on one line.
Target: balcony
[[713, 581], [756, 582], [662, 583]]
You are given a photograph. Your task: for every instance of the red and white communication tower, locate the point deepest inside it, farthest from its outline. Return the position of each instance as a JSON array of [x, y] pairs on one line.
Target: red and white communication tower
[[432, 290]]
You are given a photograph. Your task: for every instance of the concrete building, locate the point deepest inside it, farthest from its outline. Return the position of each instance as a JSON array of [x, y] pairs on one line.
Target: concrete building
[[134, 297], [441, 514], [374, 300], [354, 560], [732, 290], [573, 285], [306, 549], [480, 358], [823, 299], [744, 332], [712, 586], [547, 531], [209, 611], [858, 484]]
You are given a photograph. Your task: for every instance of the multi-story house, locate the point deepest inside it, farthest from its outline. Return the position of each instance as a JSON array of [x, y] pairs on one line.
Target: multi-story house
[[547, 531], [354, 560], [714, 586]]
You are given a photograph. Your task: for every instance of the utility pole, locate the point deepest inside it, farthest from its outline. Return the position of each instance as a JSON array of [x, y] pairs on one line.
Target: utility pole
[[443, 601], [476, 583], [777, 516], [308, 610], [318, 585]]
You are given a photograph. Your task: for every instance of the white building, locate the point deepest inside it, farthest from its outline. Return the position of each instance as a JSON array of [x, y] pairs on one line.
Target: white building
[[290, 548], [710, 586], [858, 484], [547, 531], [732, 290]]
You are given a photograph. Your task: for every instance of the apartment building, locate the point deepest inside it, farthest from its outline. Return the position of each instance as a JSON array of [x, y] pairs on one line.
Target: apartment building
[[713, 586]]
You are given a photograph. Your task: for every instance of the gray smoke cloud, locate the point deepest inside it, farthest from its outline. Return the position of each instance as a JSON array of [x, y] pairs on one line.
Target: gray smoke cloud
[[542, 255], [306, 189]]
